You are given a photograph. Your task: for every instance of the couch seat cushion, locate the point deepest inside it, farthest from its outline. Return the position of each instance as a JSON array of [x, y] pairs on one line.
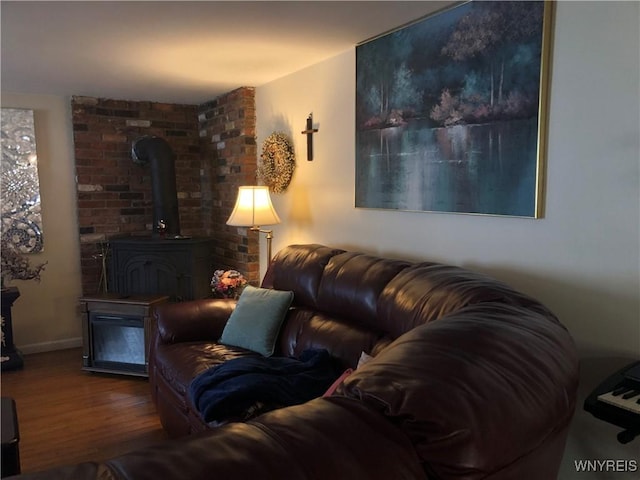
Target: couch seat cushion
[[178, 364]]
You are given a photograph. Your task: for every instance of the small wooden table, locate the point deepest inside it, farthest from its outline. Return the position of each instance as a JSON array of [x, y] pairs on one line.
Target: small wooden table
[[10, 438]]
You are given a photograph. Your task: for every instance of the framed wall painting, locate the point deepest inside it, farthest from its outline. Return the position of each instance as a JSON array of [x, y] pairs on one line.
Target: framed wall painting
[[21, 212], [451, 112]]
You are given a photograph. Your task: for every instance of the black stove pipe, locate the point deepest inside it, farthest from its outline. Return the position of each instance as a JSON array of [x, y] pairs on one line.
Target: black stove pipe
[[157, 152]]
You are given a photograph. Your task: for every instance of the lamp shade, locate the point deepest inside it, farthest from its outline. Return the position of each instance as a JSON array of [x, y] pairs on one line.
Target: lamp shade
[[253, 208]]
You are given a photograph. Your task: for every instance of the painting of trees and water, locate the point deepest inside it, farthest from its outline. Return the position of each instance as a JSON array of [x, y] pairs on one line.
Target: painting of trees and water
[[449, 110]]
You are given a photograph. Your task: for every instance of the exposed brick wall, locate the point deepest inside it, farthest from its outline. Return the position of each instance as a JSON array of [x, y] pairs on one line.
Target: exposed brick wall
[[215, 150], [228, 134]]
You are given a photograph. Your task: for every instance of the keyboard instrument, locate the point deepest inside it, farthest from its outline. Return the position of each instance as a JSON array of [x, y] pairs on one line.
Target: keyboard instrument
[[617, 401]]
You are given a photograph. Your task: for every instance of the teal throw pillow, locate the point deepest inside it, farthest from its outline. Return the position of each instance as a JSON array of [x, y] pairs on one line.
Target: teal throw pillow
[[256, 320]]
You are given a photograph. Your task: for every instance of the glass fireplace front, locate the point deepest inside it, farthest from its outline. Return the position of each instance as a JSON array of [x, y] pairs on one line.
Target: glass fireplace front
[[117, 342]]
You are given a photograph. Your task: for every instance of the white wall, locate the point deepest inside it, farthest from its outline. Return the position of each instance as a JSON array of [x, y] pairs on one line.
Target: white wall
[[45, 315], [582, 259]]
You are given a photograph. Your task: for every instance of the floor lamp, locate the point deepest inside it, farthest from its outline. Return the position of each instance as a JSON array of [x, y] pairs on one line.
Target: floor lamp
[[254, 209]]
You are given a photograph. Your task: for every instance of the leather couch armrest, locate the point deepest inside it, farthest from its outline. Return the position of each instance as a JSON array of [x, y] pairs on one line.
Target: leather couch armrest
[[323, 439], [202, 319]]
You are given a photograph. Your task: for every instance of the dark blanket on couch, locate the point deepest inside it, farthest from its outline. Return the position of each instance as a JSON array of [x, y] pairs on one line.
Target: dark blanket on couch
[[233, 388]]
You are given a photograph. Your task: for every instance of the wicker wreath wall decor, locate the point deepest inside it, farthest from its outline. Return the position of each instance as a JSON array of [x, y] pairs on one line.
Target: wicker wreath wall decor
[[277, 162]]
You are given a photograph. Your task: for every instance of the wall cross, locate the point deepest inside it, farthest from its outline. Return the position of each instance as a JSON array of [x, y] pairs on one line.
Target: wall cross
[[309, 133]]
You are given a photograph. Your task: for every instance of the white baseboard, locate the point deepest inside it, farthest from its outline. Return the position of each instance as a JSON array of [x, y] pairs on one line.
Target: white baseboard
[[50, 346]]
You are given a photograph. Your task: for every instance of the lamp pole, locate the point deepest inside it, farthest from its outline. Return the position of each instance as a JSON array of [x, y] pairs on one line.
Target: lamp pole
[[269, 238]]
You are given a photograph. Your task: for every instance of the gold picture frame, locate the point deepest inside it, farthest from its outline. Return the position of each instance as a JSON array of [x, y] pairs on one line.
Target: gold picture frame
[[451, 112]]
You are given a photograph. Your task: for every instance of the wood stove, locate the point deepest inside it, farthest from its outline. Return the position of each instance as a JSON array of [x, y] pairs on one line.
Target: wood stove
[[179, 268]]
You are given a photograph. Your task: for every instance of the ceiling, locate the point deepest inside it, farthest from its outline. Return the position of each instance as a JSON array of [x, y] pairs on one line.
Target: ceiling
[[180, 52]]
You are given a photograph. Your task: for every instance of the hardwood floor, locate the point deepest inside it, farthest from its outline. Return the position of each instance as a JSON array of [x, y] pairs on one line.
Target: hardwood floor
[[67, 415]]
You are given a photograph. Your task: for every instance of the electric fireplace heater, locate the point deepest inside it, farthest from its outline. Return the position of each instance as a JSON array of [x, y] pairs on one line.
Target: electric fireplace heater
[[115, 332]]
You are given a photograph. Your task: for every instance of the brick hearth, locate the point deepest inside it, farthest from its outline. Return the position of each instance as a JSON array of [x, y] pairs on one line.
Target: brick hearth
[[215, 150]]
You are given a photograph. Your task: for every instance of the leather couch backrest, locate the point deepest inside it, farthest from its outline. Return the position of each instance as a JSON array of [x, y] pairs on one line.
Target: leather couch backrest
[[351, 285], [299, 268], [427, 291], [335, 300], [305, 328], [348, 302]]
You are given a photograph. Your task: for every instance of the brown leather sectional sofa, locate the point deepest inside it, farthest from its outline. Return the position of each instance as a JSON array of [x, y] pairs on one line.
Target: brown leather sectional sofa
[[470, 380]]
